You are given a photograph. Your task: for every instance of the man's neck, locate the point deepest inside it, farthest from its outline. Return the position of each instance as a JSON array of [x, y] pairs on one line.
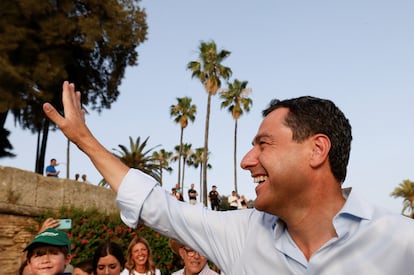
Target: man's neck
[[312, 226]]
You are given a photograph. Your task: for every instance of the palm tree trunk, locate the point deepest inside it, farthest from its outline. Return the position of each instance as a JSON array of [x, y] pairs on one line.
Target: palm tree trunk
[[179, 157], [161, 166], [201, 183], [68, 159], [37, 151], [235, 156], [205, 156], [182, 178], [40, 158]]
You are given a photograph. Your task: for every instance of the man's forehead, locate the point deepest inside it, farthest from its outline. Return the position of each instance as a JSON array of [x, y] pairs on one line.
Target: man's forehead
[[273, 121]]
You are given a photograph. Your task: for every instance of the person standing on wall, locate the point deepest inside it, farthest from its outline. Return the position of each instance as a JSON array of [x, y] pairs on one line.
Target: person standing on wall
[[51, 170], [214, 198], [192, 195], [233, 200]]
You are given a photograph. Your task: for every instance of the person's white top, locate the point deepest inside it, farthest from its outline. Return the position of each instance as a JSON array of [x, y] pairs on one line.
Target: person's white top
[[233, 201], [134, 272], [370, 240], [205, 271]]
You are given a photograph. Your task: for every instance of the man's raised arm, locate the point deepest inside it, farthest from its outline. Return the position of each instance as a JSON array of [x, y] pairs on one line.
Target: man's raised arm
[[74, 127]]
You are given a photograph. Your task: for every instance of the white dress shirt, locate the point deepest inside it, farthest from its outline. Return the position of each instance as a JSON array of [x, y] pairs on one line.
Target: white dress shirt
[[370, 240]]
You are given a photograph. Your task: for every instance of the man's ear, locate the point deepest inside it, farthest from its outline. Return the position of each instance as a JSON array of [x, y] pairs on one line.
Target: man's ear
[[181, 252], [320, 150]]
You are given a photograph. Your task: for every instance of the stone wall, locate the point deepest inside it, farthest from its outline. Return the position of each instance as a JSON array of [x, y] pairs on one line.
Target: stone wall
[[25, 195]]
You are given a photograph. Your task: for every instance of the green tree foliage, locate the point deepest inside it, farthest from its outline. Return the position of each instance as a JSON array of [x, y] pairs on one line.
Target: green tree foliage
[[236, 99], [209, 70], [90, 228], [184, 151], [196, 160], [405, 190], [5, 145], [137, 156], [87, 42], [182, 112], [163, 158]]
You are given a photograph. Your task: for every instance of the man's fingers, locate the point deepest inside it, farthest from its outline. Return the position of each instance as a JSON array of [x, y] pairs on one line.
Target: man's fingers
[[71, 104], [52, 114]]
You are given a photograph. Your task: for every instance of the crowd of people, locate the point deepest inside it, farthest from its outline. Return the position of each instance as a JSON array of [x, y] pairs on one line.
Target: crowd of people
[[234, 201], [49, 253]]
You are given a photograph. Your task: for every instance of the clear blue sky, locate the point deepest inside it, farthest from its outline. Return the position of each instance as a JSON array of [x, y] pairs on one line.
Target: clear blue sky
[[360, 54]]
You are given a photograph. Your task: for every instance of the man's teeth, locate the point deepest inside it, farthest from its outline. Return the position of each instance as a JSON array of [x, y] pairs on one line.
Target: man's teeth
[[259, 179]]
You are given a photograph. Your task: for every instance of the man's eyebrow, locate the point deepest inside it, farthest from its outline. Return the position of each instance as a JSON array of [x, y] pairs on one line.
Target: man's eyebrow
[[259, 137]]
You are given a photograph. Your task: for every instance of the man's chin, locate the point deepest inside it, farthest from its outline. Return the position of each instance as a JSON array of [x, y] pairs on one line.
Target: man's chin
[[47, 272], [258, 205], [195, 270]]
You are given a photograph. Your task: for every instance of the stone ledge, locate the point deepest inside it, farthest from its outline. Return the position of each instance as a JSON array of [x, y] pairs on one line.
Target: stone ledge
[[26, 193]]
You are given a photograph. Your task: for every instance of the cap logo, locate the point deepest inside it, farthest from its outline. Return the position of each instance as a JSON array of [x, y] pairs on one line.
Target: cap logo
[[50, 234]]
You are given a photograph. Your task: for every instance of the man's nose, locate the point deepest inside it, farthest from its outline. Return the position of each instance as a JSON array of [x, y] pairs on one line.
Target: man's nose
[[249, 159]]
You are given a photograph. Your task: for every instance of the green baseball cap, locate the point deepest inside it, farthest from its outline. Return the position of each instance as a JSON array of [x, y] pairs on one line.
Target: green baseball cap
[[52, 237]]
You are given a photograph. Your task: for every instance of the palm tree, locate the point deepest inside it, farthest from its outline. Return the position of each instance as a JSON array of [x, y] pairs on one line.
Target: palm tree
[[186, 153], [182, 112], [137, 157], [235, 97], [209, 70], [162, 157], [196, 160], [405, 190]]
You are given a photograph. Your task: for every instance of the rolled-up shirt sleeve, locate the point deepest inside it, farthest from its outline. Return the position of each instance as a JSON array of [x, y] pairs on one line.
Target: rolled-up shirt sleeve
[[130, 198]]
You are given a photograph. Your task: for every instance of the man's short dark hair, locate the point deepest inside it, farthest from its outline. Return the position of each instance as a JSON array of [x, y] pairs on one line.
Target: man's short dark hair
[[309, 116]]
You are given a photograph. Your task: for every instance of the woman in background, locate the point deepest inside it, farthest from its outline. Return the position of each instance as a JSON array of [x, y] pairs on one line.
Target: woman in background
[[108, 259], [139, 258]]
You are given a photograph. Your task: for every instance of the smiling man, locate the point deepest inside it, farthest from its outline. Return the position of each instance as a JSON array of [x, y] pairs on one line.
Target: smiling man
[[303, 222], [194, 262]]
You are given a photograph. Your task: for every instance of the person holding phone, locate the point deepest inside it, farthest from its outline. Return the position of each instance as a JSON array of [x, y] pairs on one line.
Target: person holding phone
[[49, 223], [49, 252]]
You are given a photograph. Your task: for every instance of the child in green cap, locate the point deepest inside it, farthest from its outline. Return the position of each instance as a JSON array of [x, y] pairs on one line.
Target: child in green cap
[[49, 253]]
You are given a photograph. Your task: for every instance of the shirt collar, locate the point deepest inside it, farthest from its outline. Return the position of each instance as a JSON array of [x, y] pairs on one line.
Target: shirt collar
[[354, 210], [355, 206]]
